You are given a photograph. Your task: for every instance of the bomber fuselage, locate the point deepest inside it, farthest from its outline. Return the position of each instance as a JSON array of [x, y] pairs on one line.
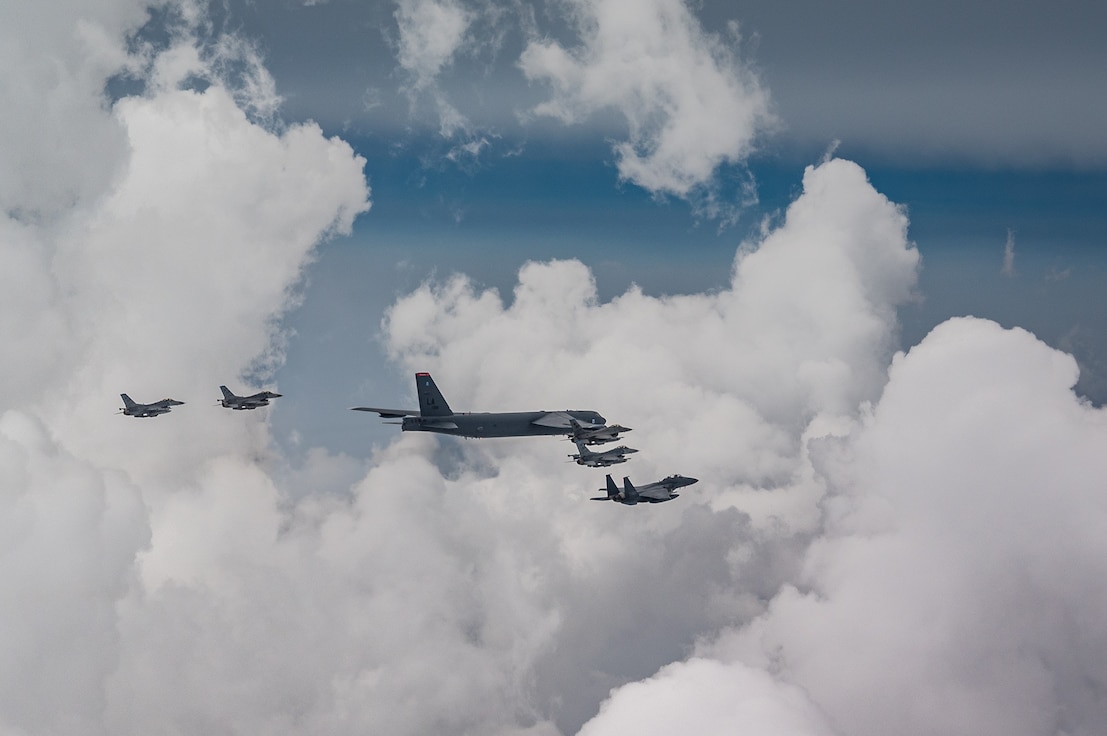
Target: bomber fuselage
[[497, 424]]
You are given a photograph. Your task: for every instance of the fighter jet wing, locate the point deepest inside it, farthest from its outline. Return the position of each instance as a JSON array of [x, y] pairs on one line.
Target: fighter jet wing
[[389, 413], [656, 492]]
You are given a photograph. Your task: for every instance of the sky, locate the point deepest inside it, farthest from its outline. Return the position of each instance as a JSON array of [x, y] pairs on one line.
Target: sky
[[843, 265]]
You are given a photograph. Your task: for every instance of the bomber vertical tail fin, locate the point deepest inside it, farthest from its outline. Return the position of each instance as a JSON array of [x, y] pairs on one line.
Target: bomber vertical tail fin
[[431, 401]]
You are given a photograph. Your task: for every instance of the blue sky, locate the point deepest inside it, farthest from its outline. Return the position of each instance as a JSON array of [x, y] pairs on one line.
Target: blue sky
[[842, 263], [960, 122]]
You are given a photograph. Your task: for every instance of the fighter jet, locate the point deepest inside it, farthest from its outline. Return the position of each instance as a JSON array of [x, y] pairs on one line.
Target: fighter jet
[[658, 492], [603, 459], [435, 415], [597, 436], [133, 409], [238, 403]]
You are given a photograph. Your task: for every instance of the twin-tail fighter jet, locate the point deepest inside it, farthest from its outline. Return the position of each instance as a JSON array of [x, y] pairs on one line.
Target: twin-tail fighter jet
[[435, 415], [603, 459], [658, 492], [239, 403], [134, 409]]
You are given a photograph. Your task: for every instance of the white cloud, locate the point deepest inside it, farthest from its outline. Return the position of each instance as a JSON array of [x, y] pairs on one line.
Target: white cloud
[[737, 381], [431, 32], [166, 575], [706, 697], [957, 577], [689, 102], [149, 251], [61, 147]]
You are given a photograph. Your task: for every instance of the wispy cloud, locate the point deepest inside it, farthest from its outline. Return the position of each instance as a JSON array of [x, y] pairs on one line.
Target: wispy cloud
[[1008, 268]]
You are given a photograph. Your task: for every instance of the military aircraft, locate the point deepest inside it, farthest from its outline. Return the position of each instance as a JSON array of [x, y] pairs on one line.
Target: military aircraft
[[435, 415], [598, 435], [658, 492], [238, 403], [133, 409], [603, 459]]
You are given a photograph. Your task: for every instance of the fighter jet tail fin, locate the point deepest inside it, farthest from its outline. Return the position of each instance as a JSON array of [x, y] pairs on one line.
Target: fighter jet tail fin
[[431, 401], [629, 491], [127, 401], [612, 489], [227, 394]]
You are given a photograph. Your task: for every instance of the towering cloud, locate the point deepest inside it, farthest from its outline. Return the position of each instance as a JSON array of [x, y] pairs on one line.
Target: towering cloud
[[957, 575], [928, 533], [146, 247]]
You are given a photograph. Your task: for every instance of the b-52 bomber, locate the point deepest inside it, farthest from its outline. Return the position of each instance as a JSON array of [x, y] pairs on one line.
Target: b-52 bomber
[[658, 492], [603, 459], [435, 415], [133, 409], [238, 403]]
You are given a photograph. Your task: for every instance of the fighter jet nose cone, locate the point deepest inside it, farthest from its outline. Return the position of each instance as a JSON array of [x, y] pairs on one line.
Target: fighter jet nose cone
[[692, 480]]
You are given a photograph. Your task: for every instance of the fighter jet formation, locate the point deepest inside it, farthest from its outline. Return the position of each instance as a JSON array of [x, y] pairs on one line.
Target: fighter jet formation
[[584, 428]]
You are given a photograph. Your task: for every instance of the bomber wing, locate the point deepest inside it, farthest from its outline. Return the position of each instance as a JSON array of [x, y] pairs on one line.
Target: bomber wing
[[556, 419]]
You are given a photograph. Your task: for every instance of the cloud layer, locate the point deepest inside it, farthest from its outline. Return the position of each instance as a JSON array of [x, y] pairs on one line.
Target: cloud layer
[[924, 526]]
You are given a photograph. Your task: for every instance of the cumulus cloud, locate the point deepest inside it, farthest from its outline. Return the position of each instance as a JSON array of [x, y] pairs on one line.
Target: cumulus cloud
[[149, 250], [703, 696], [61, 146], [935, 526], [688, 99], [737, 381], [957, 575]]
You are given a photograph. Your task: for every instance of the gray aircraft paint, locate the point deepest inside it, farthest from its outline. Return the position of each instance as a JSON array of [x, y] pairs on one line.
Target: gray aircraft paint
[[435, 415], [657, 492], [614, 456], [134, 409], [238, 403]]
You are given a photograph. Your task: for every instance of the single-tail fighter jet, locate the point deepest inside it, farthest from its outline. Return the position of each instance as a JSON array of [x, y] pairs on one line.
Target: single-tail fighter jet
[[238, 403], [598, 435], [603, 459], [435, 415], [658, 492], [133, 409]]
